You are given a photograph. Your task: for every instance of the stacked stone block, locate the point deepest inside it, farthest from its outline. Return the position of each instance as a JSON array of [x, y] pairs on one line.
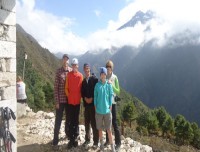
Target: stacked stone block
[[8, 59]]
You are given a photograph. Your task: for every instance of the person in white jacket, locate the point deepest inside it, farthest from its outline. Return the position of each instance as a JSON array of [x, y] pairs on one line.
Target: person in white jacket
[[21, 90]]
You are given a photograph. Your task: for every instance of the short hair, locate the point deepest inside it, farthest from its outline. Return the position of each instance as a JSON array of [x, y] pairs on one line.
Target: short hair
[[110, 63]]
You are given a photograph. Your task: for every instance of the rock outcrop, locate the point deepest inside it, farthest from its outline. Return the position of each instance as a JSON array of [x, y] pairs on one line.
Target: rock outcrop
[[42, 126]]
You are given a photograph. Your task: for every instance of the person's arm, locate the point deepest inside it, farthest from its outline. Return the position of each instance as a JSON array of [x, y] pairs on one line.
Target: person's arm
[[66, 86], [94, 82], [110, 96], [56, 83], [95, 96], [83, 90], [25, 90], [116, 88]]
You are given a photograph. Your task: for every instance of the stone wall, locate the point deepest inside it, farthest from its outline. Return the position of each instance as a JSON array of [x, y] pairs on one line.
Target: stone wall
[[8, 59]]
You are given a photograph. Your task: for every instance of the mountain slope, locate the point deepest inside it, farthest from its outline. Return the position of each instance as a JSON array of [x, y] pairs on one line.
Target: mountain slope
[[39, 74], [43, 61], [169, 77]]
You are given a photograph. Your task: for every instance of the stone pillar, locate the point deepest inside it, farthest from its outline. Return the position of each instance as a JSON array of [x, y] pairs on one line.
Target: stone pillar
[[8, 60]]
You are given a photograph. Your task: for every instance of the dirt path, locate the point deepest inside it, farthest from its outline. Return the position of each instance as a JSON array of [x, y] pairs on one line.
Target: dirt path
[[25, 142], [35, 134], [28, 142]]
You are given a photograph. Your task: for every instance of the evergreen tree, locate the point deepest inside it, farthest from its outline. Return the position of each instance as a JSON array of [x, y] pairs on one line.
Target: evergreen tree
[[194, 126], [162, 116], [39, 96], [152, 123], [128, 112], [168, 127], [188, 133], [196, 132], [49, 95], [149, 121], [179, 124], [142, 120], [196, 139]]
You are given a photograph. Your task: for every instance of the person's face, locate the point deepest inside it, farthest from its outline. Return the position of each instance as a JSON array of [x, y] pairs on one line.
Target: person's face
[[103, 77], [65, 61], [87, 71], [75, 67], [109, 69]]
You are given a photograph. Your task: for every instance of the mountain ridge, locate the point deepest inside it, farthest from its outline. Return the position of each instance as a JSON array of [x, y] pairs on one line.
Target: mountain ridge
[[139, 16]]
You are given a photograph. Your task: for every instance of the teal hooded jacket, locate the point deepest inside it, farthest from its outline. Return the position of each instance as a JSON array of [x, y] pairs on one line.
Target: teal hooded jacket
[[103, 96]]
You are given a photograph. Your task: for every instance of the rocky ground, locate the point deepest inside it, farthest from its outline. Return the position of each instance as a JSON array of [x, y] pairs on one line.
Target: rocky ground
[[35, 133]]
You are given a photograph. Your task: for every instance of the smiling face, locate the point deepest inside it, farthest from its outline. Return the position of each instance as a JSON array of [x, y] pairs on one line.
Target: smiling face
[[65, 61], [103, 77], [87, 71], [109, 69], [75, 67]]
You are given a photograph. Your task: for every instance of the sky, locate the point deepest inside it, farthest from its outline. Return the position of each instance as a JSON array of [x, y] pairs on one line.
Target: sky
[[77, 26]]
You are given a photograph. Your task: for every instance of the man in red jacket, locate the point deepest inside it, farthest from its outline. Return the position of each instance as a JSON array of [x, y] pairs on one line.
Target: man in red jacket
[[73, 91]]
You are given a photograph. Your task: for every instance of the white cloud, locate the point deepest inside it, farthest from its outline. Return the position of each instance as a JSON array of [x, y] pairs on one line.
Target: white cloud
[[51, 31], [54, 32], [172, 17], [107, 39], [97, 13]]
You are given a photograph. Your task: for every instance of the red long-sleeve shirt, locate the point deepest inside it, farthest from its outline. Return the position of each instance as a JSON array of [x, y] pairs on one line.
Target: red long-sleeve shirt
[[73, 87]]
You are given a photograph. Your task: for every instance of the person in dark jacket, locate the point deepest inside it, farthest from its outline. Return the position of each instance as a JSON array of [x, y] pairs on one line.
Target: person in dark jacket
[[87, 92]]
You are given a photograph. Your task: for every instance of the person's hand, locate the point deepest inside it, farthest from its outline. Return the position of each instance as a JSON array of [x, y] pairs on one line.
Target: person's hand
[[89, 100], [86, 99], [57, 106], [109, 81]]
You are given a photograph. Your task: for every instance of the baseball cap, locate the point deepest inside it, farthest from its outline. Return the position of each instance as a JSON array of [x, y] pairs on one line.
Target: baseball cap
[[74, 61], [65, 55], [103, 70]]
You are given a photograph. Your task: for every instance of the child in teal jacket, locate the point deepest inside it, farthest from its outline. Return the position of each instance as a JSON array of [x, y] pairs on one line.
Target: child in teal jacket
[[103, 96]]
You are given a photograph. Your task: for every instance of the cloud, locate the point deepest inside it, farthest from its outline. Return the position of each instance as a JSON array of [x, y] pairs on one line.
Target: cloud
[[97, 13], [52, 32], [172, 18], [104, 39]]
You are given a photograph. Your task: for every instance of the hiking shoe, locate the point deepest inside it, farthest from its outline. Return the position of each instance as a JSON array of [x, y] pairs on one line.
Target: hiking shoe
[[75, 144], [70, 145], [112, 148], [117, 147], [95, 146], [54, 143], [55, 148], [101, 147], [106, 143], [86, 143]]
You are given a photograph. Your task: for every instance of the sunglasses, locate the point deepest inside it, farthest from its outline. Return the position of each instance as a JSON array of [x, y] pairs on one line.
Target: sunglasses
[[108, 66]]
